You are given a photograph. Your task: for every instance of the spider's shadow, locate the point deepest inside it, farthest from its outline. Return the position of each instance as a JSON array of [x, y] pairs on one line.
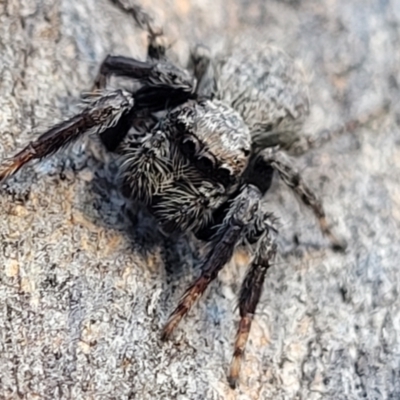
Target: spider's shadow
[[137, 225]]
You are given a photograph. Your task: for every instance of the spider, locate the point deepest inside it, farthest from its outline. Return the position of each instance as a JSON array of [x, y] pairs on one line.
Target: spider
[[199, 146]]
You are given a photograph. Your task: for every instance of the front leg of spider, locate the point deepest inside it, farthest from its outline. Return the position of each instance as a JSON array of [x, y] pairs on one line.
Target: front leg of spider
[[101, 114], [249, 297], [244, 223], [277, 159], [231, 233]]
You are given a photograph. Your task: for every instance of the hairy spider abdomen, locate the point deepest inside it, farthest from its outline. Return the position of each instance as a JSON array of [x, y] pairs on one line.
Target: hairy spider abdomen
[[269, 91]]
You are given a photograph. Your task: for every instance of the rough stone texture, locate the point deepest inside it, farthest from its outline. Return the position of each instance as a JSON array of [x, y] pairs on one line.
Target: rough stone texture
[[84, 290]]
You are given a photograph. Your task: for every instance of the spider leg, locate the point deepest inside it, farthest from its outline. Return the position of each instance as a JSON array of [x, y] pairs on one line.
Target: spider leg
[[249, 297], [238, 216], [162, 82], [157, 71], [100, 115], [157, 46], [201, 66], [122, 66], [272, 157], [306, 143]]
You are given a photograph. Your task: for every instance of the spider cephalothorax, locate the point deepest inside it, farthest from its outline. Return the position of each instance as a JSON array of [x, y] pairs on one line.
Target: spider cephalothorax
[[199, 147]]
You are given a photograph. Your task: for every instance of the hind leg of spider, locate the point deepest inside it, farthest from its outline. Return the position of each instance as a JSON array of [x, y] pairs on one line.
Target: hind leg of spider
[[122, 66], [163, 84], [272, 157], [100, 115], [306, 143], [157, 47], [250, 293], [231, 233], [129, 67], [202, 68]]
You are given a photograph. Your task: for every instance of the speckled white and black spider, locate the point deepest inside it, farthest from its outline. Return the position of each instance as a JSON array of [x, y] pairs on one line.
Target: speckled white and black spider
[[199, 148]]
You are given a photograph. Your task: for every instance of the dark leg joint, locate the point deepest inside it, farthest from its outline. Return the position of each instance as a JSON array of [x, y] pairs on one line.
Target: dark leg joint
[[124, 67]]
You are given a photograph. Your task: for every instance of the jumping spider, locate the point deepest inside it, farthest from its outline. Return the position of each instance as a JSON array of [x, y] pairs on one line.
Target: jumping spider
[[199, 147]]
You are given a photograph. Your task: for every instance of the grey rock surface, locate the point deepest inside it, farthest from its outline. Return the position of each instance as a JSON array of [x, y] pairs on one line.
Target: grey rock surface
[[85, 286]]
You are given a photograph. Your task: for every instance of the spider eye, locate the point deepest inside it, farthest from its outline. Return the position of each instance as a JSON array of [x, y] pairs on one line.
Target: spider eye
[[204, 164], [246, 152], [180, 126], [224, 176], [188, 147]]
